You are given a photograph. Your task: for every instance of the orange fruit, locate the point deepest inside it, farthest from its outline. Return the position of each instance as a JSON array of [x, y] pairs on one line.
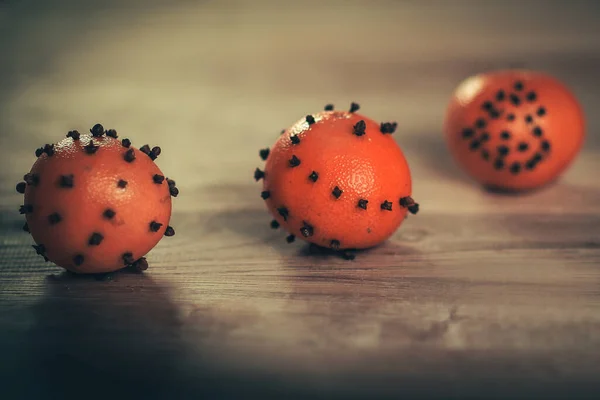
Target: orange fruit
[[514, 129], [337, 179], [96, 204]]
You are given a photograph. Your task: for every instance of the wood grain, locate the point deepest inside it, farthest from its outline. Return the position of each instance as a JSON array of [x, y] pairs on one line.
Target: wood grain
[[481, 295]]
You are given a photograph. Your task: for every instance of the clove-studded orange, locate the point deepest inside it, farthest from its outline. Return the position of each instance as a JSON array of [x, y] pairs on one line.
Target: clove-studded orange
[[514, 129], [337, 179], [96, 204]]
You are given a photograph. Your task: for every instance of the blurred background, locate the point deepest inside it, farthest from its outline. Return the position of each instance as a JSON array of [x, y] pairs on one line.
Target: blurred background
[[452, 307], [213, 81]]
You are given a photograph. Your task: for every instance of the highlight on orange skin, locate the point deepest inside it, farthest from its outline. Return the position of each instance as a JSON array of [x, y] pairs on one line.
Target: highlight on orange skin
[[96, 204], [337, 179], [514, 129]]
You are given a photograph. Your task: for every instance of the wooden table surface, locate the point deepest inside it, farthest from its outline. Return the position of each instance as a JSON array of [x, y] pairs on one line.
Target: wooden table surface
[[481, 295]]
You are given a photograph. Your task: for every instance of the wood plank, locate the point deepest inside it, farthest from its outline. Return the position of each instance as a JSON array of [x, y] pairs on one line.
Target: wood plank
[[455, 305]]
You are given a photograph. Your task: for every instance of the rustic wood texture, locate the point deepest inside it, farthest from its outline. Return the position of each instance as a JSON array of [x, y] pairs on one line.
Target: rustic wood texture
[[481, 295]]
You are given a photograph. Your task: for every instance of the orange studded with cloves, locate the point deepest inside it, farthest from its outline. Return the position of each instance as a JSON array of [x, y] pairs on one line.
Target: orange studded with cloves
[[338, 180], [514, 129], [96, 204]]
